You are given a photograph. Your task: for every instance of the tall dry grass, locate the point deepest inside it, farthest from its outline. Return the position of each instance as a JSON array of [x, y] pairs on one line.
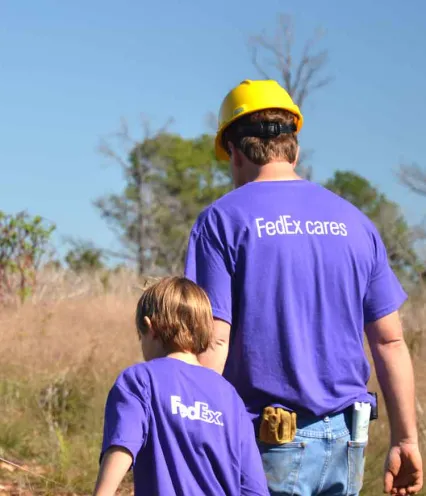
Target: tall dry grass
[[60, 353]]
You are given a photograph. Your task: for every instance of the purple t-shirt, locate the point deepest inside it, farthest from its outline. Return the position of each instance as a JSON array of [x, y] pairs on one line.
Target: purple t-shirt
[[187, 429], [297, 271]]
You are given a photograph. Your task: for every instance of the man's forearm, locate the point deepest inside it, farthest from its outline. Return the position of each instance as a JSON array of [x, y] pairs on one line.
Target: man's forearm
[[395, 374]]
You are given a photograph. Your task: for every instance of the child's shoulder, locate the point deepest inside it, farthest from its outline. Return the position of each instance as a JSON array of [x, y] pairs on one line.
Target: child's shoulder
[[134, 378], [227, 387], [204, 375], [146, 375]]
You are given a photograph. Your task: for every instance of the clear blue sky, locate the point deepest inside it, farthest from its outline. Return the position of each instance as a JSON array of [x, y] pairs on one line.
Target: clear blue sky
[[70, 70]]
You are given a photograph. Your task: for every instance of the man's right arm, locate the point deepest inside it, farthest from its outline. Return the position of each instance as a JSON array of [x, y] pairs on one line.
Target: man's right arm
[[217, 353], [208, 266]]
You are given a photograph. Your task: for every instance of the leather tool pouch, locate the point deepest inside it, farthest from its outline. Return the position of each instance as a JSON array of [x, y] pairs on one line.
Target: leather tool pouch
[[278, 426]]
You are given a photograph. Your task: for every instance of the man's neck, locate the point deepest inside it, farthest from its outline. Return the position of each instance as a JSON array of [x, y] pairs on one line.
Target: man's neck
[[276, 171]]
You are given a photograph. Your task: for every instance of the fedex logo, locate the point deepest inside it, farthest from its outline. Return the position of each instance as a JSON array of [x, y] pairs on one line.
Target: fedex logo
[[199, 411], [284, 225]]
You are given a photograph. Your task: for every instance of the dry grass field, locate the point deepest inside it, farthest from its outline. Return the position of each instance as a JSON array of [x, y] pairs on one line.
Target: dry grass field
[[59, 355]]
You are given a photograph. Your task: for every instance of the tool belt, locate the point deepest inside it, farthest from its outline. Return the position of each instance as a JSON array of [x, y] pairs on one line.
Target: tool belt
[[278, 426]]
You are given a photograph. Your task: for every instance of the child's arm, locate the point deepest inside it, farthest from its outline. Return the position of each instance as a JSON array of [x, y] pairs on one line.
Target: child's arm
[[126, 427], [115, 464]]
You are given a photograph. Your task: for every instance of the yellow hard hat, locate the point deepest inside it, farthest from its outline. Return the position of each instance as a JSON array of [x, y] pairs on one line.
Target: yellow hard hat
[[252, 96]]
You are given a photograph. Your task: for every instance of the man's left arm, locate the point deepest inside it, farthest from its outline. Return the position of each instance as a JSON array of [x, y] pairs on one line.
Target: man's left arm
[[207, 266], [217, 353], [384, 296], [395, 374]]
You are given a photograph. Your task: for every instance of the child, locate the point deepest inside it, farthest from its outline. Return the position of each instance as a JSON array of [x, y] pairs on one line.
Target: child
[[181, 427]]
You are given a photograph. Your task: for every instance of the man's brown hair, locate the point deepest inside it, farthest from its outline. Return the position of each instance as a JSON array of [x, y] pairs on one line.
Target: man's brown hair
[[261, 151], [180, 314]]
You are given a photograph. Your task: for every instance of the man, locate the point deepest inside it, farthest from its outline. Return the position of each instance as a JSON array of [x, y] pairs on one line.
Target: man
[[295, 274]]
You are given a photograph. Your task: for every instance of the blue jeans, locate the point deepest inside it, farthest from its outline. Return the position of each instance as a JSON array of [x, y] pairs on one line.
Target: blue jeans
[[321, 461]]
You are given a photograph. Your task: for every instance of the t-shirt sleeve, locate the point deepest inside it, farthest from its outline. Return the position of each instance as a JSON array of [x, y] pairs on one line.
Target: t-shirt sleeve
[[126, 421], [385, 293], [253, 479], [206, 265]]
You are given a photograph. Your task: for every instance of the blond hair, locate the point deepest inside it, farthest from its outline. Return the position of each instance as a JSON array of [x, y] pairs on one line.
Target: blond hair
[[180, 314], [261, 151]]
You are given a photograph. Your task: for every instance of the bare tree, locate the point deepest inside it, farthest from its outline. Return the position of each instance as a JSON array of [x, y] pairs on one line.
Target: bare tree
[[414, 177], [129, 214], [300, 76]]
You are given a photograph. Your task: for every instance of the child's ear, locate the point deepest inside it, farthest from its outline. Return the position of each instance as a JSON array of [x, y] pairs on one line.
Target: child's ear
[[148, 324]]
